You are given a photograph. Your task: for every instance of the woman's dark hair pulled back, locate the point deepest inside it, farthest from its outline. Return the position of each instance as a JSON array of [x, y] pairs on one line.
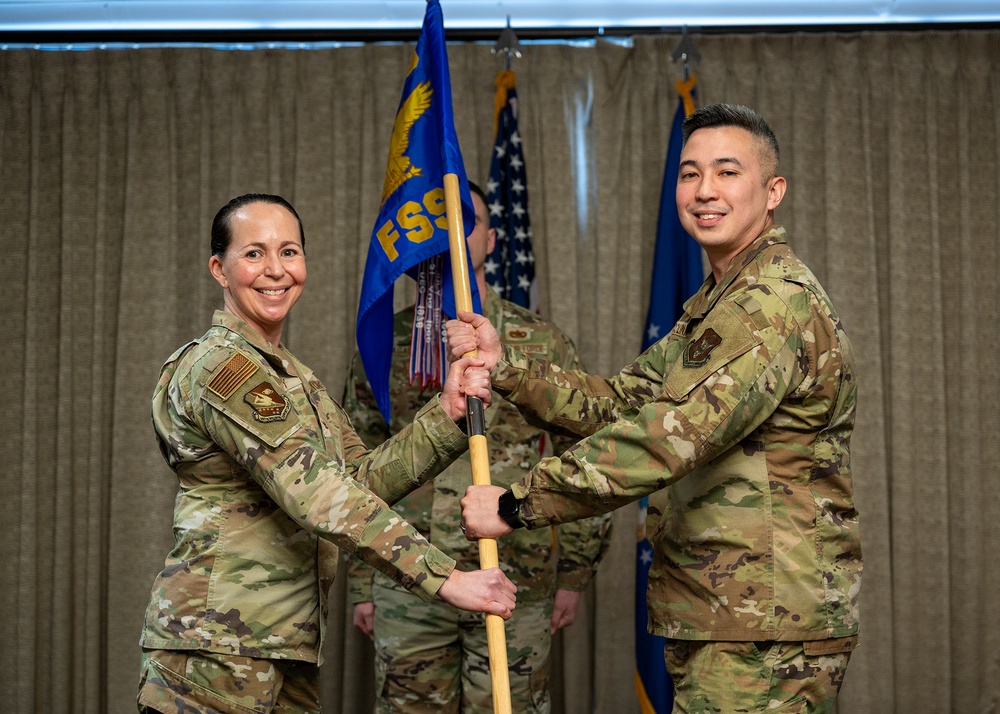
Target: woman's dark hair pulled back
[[222, 233]]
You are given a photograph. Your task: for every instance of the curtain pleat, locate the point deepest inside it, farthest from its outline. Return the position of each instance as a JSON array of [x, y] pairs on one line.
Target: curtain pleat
[[113, 163]]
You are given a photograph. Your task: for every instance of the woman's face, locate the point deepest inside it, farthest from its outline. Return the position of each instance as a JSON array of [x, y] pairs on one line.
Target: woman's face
[[263, 270]]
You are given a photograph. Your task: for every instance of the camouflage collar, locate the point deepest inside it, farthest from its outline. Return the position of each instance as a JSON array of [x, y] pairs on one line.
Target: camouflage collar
[[772, 236], [706, 298], [230, 322]]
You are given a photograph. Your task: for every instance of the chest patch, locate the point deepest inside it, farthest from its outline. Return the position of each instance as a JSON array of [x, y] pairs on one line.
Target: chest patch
[[267, 404], [532, 349], [699, 351], [517, 333]]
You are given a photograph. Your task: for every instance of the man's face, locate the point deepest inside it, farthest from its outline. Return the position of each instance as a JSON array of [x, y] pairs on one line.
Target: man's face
[[482, 238], [722, 198]]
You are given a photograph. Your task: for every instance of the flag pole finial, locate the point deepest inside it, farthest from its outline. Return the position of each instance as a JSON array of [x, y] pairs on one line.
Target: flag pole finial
[[507, 45], [685, 52]]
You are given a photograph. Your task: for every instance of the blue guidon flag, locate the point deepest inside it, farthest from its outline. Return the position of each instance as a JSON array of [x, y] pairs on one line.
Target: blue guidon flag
[[412, 227]]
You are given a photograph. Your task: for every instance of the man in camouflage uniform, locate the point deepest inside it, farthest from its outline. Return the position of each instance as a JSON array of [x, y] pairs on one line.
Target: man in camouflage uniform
[[741, 419], [431, 657], [272, 481]]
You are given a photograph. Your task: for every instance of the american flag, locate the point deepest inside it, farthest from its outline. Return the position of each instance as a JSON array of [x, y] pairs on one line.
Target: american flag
[[510, 268]]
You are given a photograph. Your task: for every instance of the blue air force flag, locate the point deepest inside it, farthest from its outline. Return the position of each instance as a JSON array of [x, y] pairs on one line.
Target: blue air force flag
[[412, 226]]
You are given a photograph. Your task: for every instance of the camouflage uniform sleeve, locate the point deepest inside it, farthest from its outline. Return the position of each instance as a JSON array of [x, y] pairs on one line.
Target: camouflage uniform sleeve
[[417, 453], [570, 402], [704, 408], [363, 411], [583, 543], [340, 498]]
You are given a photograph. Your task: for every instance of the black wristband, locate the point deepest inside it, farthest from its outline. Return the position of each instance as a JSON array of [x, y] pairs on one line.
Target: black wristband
[[509, 509]]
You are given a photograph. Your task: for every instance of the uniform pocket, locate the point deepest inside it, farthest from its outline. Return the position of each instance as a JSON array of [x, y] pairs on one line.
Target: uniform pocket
[[207, 682], [538, 682]]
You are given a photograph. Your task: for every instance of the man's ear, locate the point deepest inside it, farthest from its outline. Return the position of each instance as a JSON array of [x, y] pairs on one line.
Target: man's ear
[[775, 192]]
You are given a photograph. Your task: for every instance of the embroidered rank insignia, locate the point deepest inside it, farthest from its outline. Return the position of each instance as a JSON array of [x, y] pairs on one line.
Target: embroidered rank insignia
[[267, 404], [231, 375], [698, 352]]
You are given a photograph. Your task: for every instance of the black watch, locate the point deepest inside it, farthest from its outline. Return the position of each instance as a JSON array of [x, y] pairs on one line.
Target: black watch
[[509, 509]]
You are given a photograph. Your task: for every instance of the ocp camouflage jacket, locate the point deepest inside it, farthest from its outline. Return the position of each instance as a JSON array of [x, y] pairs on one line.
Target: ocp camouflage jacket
[[273, 480], [742, 415], [538, 562]]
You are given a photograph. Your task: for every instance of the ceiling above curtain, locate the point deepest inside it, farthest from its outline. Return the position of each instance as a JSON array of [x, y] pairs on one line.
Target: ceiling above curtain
[[592, 17]]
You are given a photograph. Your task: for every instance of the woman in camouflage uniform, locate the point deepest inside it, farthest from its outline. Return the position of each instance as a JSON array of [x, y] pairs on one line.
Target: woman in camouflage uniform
[[273, 480]]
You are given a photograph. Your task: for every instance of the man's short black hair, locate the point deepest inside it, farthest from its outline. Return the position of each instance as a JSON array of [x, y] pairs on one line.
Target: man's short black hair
[[474, 187], [720, 115]]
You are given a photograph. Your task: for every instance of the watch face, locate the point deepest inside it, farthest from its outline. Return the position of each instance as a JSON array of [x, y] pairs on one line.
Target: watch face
[[509, 509]]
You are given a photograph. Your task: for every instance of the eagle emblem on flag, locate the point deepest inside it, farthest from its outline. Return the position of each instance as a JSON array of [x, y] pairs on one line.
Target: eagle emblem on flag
[[399, 168]]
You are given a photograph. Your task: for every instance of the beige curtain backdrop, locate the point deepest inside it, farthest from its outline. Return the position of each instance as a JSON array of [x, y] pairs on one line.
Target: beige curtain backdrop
[[113, 162]]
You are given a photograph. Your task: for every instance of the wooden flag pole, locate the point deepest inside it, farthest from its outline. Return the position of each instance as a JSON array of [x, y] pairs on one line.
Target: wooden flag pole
[[496, 640]]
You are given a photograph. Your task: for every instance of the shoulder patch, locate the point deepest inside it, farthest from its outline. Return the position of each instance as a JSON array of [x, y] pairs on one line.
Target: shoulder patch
[[267, 403], [726, 337], [237, 369], [699, 351]]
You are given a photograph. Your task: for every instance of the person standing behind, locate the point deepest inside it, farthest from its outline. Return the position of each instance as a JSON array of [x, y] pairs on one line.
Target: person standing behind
[[742, 416], [272, 481], [429, 656]]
